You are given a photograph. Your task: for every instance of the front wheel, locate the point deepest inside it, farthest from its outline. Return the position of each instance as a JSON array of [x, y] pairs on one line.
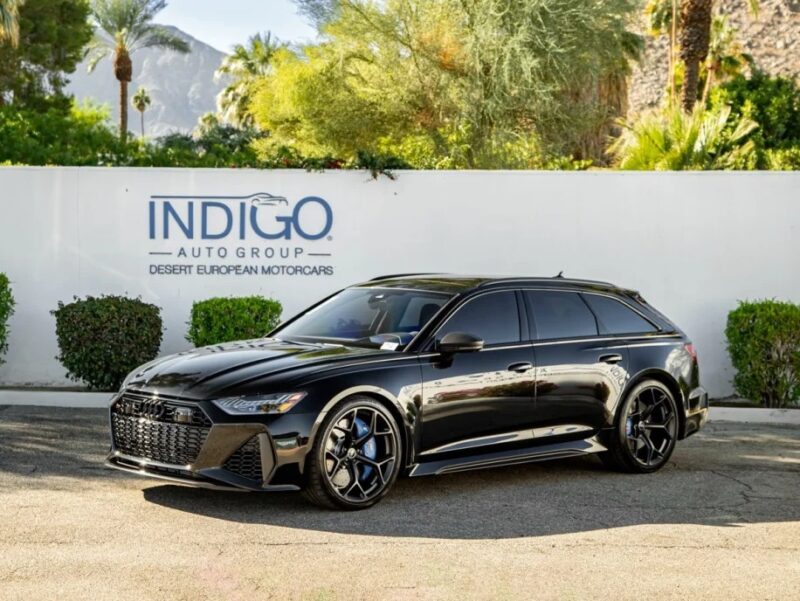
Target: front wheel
[[356, 456], [645, 430]]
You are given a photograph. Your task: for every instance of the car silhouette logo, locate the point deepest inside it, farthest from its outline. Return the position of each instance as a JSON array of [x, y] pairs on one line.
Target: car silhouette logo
[[264, 199]]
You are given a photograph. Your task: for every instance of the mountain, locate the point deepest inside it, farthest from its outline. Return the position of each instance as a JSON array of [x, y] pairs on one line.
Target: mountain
[[181, 86]]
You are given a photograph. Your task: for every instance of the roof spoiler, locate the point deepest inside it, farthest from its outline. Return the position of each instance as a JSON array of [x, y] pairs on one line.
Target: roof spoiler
[[399, 275]]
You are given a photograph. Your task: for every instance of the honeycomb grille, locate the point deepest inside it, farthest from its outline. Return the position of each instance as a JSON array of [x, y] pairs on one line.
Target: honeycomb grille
[[246, 461], [176, 444]]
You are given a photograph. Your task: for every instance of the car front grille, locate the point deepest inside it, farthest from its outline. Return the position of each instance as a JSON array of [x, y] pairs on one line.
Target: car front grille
[[158, 429], [246, 461]]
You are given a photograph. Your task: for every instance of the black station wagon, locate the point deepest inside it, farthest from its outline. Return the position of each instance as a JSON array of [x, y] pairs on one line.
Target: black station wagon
[[418, 375]]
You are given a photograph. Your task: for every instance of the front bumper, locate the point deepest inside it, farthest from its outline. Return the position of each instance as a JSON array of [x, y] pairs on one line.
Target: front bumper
[[188, 443]]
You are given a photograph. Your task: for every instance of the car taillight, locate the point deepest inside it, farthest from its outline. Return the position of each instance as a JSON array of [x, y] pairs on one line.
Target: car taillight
[[689, 348]]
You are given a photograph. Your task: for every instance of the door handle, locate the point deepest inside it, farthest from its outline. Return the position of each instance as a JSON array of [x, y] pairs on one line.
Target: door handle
[[520, 367], [615, 358]]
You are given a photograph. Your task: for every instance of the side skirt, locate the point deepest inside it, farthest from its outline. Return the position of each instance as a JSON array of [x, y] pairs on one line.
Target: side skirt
[[557, 450]]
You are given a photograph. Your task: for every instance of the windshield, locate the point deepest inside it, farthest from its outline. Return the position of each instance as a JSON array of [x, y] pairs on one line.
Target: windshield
[[376, 317]]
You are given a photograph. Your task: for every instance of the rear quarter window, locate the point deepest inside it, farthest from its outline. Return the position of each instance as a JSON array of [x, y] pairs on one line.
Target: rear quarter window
[[615, 317]]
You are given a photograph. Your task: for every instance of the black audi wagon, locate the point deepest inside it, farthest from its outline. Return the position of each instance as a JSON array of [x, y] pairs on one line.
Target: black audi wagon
[[419, 375]]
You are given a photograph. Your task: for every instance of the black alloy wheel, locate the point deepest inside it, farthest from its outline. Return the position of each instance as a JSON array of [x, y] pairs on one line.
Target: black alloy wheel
[[356, 456], [646, 429]]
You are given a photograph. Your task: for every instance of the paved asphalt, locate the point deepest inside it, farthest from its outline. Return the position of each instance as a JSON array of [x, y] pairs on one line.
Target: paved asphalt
[[721, 521]]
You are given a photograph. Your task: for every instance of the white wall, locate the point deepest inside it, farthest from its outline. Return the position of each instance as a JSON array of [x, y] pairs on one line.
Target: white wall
[[692, 243]]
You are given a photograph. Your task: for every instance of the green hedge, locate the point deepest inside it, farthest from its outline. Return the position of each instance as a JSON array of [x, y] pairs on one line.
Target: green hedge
[[764, 345], [6, 310], [218, 320], [102, 339]]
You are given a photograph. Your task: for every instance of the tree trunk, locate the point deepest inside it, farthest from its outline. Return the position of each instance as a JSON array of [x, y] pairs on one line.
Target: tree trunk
[[691, 76], [142, 114], [695, 38], [123, 70], [123, 111]]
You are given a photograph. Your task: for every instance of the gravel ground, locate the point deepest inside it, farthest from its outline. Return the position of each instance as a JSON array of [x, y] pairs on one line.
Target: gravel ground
[[721, 521]]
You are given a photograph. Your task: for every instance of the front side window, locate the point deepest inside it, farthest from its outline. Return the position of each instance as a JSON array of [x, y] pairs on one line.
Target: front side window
[[367, 316], [494, 318], [613, 317], [560, 315]]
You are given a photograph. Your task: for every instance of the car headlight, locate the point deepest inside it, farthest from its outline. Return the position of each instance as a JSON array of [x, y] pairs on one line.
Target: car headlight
[[260, 404]]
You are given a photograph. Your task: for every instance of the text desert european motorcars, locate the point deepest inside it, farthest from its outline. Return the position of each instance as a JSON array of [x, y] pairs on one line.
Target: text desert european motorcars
[[418, 375]]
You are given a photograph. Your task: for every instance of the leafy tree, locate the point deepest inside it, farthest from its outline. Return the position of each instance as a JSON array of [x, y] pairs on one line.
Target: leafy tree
[[52, 34], [245, 66], [674, 140], [128, 27], [141, 100], [488, 80], [319, 12], [53, 136], [9, 21]]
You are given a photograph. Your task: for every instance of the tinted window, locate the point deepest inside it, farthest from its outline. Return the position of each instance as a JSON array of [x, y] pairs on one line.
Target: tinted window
[[491, 317], [357, 314], [613, 317], [561, 315], [419, 311]]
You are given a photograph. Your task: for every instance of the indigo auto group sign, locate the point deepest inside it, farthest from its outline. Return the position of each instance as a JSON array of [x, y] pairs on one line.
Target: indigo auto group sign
[[259, 234]]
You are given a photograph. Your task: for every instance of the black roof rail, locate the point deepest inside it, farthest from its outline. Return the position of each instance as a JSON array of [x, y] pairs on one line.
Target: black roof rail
[[577, 281], [399, 275]]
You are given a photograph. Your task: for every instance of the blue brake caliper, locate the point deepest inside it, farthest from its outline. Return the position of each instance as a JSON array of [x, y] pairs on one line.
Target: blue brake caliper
[[369, 449]]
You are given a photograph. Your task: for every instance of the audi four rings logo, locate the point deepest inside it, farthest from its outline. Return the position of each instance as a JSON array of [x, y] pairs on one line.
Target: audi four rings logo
[[149, 408]]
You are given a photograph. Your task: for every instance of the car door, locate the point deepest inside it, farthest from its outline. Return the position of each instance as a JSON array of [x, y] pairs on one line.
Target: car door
[[579, 373], [476, 399]]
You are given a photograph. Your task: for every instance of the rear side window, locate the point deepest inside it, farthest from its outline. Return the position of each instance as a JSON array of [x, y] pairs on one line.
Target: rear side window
[[560, 315], [492, 317], [614, 317]]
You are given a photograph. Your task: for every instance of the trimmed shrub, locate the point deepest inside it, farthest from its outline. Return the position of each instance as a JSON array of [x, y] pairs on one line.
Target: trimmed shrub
[[102, 339], [218, 320], [764, 345], [6, 310]]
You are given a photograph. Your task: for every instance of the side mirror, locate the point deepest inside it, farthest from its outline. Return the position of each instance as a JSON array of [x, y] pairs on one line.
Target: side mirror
[[458, 342]]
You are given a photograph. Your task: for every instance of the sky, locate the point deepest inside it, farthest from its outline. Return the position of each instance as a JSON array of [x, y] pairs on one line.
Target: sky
[[223, 23]]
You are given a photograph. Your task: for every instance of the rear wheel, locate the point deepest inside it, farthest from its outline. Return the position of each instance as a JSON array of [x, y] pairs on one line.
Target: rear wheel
[[356, 456], [645, 431]]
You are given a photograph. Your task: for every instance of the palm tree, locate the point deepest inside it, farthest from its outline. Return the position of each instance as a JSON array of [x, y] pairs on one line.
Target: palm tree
[[9, 20], [694, 39], [245, 67], [140, 101], [129, 27]]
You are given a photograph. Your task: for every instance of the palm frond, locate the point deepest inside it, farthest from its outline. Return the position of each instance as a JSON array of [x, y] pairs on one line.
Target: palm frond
[[130, 22], [672, 139], [96, 51], [160, 37], [9, 20]]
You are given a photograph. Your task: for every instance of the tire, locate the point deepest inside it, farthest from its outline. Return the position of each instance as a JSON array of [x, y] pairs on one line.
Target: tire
[[645, 430], [356, 456]]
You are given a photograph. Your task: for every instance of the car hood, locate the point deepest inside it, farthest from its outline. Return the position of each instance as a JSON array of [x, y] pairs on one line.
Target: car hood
[[235, 367]]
